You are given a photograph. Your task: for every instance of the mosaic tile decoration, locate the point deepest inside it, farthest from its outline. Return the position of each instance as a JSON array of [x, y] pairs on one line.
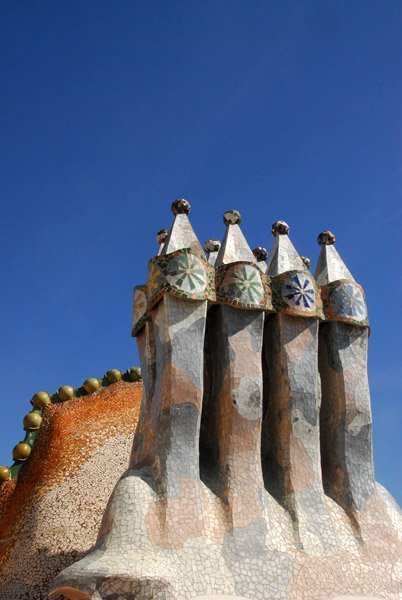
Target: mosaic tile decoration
[[279, 228], [212, 245], [243, 285], [296, 293], [306, 261], [260, 253], [184, 274], [251, 472], [326, 238], [140, 315], [181, 207], [161, 236], [232, 217], [344, 301]]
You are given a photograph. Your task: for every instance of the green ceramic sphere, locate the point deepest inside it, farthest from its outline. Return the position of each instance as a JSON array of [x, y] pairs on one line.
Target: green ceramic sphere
[[91, 385], [32, 421], [66, 392], [113, 375], [5, 474], [134, 374], [21, 451], [41, 399]]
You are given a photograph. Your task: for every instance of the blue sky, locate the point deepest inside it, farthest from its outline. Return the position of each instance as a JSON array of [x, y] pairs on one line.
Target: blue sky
[[111, 110]]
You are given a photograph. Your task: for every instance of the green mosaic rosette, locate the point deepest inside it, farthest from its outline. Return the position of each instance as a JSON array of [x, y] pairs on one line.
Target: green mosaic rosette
[[183, 273], [243, 285]]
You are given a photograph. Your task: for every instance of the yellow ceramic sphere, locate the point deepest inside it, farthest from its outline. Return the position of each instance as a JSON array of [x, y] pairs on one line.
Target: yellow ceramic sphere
[[5, 474], [21, 451], [66, 392], [113, 375], [91, 385], [32, 420], [134, 374], [41, 399]]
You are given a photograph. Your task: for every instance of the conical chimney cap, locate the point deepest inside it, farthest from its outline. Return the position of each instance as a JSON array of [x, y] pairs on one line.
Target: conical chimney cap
[[330, 266], [234, 247]]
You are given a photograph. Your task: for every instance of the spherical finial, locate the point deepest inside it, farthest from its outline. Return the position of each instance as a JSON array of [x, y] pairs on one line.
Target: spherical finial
[[162, 235], [91, 385], [21, 451], [306, 261], [113, 375], [181, 207], [212, 245], [232, 217], [32, 421], [134, 374], [41, 399], [5, 474], [279, 228], [65, 392], [326, 238], [260, 253]]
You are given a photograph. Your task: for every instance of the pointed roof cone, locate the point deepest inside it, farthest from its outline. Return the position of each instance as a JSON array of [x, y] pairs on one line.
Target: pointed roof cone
[[211, 248], [261, 256], [161, 238], [181, 234], [330, 266], [284, 256], [234, 246]]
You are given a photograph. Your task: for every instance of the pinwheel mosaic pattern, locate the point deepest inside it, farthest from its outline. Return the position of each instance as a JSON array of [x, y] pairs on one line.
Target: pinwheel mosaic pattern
[[298, 291], [187, 273], [140, 303], [154, 278], [244, 284], [347, 300]]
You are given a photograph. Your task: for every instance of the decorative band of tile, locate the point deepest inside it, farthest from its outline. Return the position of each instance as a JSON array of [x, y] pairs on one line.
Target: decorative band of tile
[[140, 315], [344, 301], [243, 285], [183, 273], [296, 293]]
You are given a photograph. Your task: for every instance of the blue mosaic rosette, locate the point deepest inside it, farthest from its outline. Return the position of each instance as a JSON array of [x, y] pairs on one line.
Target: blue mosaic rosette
[[296, 293], [344, 301]]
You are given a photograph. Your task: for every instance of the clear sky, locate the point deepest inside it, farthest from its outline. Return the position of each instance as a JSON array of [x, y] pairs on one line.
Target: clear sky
[[111, 110]]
